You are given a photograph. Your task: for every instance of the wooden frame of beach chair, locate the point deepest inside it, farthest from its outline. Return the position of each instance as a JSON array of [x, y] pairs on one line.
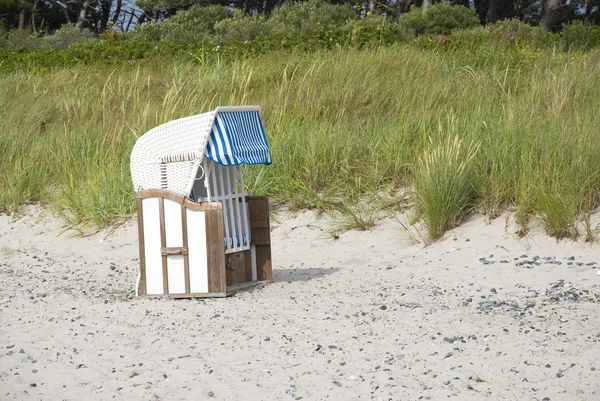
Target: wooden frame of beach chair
[[200, 234]]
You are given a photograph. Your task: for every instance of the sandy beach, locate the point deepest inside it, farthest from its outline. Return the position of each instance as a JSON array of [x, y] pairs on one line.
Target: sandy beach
[[481, 314]]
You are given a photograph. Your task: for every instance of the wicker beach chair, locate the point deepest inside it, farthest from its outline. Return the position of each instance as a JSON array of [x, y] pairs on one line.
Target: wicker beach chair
[[197, 226]]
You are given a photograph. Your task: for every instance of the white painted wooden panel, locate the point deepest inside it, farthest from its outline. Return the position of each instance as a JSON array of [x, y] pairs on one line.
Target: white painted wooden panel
[[152, 255], [173, 228], [174, 238], [176, 273], [197, 257]]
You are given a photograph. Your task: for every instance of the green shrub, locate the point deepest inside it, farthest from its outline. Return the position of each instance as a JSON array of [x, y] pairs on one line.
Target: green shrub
[[299, 17], [242, 28], [578, 36], [23, 39], [194, 25], [439, 18], [510, 30], [3, 37], [378, 29], [149, 31], [66, 36]]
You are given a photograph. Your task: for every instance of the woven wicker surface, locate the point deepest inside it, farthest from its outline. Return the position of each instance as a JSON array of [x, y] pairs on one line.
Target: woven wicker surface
[[167, 156]]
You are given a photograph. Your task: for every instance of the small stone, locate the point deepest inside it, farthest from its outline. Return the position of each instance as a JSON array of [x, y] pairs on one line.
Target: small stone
[[34, 371], [267, 339], [33, 385], [451, 339], [10, 346], [493, 291], [383, 307], [523, 256], [571, 258], [211, 394], [342, 363], [548, 365], [21, 351]]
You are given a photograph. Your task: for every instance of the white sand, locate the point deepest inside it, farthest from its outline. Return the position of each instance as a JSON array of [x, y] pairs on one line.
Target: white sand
[[367, 316]]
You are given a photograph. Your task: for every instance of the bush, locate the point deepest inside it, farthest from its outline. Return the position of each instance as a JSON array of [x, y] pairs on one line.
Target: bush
[[299, 17], [66, 36], [194, 25], [439, 18], [3, 38], [578, 36], [242, 28], [18, 39], [378, 29], [509, 32]]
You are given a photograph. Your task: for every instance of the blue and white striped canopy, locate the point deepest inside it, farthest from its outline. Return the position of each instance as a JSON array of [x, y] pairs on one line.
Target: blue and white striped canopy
[[238, 137]]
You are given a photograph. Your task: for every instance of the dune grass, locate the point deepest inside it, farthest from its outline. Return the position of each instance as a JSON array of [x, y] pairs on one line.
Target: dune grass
[[443, 185], [341, 124]]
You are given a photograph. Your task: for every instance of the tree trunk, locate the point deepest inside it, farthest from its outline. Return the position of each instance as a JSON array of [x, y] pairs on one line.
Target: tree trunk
[[82, 18], [115, 17], [425, 5], [22, 20], [131, 20], [550, 16], [400, 9], [492, 13], [588, 9], [22, 16], [105, 6]]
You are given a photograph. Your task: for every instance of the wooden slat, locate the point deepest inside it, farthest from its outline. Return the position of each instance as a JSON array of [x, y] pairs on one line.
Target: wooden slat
[[261, 235], [215, 251], [163, 193], [140, 216], [186, 260], [239, 268], [163, 243], [264, 268]]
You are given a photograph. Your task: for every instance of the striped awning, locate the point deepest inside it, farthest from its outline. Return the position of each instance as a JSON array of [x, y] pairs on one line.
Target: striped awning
[[238, 137]]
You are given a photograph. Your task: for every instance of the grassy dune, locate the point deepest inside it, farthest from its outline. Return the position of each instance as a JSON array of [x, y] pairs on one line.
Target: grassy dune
[[343, 125]]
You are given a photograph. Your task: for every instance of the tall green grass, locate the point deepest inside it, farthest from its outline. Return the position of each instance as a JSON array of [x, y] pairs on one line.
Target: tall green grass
[[444, 189], [341, 124]]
